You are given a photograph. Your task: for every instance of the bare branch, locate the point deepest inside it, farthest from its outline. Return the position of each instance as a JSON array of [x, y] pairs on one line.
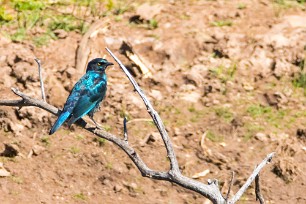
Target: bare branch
[[230, 186], [156, 119], [259, 197], [252, 177], [125, 130], [28, 101], [41, 79], [210, 190]]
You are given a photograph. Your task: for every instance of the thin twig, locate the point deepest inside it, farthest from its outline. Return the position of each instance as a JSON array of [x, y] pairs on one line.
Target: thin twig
[[156, 118], [259, 197], [252, 177], [125, 130], [28, 101], [41, 79], [230, 186]]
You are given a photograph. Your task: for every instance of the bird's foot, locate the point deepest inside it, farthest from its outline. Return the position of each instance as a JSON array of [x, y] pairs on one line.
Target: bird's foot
[[97, 125]]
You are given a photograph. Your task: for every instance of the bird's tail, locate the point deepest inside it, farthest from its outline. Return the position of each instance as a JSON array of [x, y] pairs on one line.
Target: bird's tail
[[60, 120]]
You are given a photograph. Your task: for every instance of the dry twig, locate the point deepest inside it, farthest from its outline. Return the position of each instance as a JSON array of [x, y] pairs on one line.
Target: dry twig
[[259, 197], [125, 130], [252, 177], [230, 186], [41, 79], [210, 190]]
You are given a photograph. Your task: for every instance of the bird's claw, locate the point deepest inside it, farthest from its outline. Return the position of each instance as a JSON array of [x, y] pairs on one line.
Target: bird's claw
[[99, 127]]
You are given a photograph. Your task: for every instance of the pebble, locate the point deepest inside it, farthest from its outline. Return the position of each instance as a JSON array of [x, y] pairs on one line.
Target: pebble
[[3, 171], [38, 149], [261, 136], [118, 188]]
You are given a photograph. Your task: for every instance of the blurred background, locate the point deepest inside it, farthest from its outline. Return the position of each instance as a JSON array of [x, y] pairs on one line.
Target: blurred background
[[227, 77]]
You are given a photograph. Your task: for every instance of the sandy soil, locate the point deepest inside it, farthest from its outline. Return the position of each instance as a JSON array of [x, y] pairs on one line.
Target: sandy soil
[[221, 69]]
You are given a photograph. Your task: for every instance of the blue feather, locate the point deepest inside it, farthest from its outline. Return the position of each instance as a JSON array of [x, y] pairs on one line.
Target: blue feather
[[86, 94], [60, 120]]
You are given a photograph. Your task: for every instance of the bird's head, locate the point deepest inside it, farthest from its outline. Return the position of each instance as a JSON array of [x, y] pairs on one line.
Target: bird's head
[[98, 64]]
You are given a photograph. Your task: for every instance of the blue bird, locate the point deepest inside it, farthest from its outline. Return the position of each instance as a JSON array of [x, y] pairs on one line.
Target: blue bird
[[86, 94]]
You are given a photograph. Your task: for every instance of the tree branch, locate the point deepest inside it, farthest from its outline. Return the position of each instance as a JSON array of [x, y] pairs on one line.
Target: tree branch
[[28, 101], [125, 130], [155, 116], [210, 190], [41, 79], [259, 197], [252, 177], [230, 186]]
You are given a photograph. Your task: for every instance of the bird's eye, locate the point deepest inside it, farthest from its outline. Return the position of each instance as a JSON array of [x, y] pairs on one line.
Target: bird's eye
[[99, 64]]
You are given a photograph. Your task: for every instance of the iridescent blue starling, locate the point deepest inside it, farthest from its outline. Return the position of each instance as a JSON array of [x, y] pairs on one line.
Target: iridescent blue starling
[[86, 94]]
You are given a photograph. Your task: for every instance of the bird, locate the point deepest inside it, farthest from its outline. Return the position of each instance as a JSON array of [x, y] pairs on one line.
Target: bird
[[86, 95]]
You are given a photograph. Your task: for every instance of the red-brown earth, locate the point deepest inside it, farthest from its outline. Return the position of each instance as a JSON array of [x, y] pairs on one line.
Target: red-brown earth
[[222, 70]]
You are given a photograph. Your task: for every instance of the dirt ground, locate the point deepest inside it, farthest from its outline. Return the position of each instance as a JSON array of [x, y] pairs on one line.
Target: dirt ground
[[228, 79]]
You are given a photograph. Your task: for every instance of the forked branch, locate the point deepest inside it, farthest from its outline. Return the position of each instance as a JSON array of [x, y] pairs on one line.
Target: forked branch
[[210, 190]]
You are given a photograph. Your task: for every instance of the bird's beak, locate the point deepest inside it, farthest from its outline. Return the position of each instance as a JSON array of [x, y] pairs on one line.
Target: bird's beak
[[109, 63]]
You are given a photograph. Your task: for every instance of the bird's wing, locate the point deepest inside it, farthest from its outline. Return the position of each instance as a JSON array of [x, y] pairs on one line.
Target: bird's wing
[[97, 105], [69, 105], [93, 94], [86, 103]]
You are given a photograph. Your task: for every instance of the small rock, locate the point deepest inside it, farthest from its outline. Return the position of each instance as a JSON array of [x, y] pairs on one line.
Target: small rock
[[131, 186], [151, 138], [38, 149], [118, 188], [15, 127], [248, 87], [282, 68], [261, 63], [3, 171], [196, 75], [60, 33], [177, 132], [215, 102], [106, 182], [261, 136], [201, 174]]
